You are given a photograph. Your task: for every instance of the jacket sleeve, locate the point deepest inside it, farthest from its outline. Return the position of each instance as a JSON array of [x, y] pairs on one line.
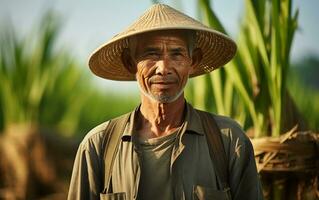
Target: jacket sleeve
[[86, 179], [244, 179]]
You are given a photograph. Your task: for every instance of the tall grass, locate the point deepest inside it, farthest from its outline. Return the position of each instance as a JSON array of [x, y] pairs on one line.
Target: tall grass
[[44, 85], [38, 83], [252, 87]]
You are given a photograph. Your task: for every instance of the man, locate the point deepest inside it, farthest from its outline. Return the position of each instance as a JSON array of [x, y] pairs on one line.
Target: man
[[164, 150]]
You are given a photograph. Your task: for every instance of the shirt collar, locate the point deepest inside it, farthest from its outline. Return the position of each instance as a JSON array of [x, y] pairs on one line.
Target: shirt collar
[[129, 128], [192, 122]]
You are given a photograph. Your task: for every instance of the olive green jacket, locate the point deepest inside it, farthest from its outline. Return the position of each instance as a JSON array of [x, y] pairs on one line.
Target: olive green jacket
[[192, 170]]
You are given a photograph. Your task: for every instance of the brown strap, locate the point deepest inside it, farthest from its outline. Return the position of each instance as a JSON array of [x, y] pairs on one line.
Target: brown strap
[[216, 147], [112, 135]]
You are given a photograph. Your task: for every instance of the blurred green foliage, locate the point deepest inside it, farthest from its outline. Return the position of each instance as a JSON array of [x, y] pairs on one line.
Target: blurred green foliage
[[303, 85], [252, 87], [43, 85]]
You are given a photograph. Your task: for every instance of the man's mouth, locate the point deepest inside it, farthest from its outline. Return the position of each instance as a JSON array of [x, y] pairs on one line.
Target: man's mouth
[[166, 80], [163, 82]]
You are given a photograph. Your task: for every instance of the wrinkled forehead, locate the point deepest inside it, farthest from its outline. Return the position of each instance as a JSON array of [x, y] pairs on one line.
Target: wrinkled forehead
[[183, 37]]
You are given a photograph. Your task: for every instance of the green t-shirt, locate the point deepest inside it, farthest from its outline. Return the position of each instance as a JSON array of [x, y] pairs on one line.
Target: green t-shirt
[[155, 182]]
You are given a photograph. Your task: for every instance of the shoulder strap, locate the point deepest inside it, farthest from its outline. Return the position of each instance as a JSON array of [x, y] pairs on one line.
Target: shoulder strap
[[216, 147], [112, 135]]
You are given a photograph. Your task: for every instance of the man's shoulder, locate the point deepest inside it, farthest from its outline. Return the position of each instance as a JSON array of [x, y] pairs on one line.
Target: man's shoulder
[[226, 122], [229, 127], [221, 120], [233, 135], [95, 135]]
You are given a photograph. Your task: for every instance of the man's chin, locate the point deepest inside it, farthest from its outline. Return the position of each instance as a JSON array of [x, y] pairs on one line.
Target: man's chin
[[161, 97], [165, 98]]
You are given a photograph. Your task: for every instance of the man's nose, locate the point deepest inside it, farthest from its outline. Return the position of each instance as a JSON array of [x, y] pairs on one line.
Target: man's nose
[[163, 66]]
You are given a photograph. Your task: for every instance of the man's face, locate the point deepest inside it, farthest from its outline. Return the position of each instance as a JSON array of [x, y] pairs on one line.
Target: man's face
[[163, 64]]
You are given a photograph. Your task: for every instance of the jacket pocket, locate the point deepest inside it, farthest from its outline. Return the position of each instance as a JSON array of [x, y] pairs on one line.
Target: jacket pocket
[[113, 196], [206, 193]]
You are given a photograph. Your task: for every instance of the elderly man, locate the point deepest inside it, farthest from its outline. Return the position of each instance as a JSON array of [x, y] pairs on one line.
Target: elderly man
[[164, 149]]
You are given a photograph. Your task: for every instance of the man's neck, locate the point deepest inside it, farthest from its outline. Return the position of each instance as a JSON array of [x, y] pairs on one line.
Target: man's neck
[[158, 119]]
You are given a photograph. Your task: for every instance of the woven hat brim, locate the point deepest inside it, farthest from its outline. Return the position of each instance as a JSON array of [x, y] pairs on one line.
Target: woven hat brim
[[217, 49]]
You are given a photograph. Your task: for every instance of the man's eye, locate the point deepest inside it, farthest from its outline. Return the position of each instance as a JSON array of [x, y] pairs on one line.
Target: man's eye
[[150, 53], [177, 54]]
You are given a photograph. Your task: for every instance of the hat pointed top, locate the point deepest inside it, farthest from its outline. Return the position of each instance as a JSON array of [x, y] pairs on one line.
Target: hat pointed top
[[161, 16]]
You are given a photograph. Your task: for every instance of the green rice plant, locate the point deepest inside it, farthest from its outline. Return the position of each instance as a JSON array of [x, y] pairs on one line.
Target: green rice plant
[[39, 84], [45, 86], [214, 92], [252, 87]]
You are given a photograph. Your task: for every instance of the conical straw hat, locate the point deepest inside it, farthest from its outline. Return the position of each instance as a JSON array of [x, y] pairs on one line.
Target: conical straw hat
[[217, 48]]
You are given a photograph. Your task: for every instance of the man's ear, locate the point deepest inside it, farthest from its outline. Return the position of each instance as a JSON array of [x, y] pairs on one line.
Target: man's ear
[[197, 57], [128, 61]]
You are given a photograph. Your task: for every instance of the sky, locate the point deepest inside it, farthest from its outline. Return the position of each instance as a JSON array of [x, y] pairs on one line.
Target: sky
[[87, 24]]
